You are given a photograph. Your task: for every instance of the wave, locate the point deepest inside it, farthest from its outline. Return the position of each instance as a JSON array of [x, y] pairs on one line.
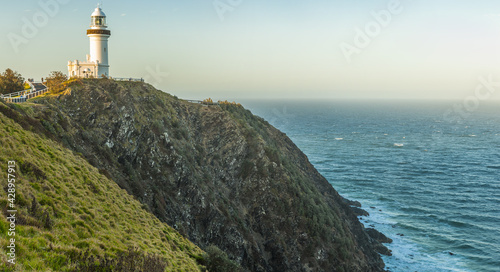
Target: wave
[[407, 254]]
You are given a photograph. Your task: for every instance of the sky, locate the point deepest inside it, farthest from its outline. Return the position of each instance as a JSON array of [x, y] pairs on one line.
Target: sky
[[241, 49]]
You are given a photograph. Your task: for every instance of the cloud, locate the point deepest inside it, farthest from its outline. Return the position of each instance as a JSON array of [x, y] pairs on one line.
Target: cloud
[[123, 14]]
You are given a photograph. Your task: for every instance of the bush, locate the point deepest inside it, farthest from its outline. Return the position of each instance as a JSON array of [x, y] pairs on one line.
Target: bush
[[55, 81], [217, 260]]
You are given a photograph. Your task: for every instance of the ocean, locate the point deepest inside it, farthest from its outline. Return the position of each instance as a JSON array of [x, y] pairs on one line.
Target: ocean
[[427, 174]]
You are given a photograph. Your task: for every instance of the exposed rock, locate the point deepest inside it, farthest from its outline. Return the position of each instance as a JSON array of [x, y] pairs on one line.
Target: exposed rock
[[383, 250], [359, 212], [351, 202], [378, 236]]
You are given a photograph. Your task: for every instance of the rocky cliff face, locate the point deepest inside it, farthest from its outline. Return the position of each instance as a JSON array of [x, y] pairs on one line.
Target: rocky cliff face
[[218, 174]]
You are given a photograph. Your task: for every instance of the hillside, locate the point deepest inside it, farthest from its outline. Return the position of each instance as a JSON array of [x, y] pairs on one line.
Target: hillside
[[218, 175], [66, 207]]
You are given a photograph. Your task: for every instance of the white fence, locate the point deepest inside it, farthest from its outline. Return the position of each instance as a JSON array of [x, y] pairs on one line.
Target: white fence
[[128, 79], [204, 103], [22, 96]]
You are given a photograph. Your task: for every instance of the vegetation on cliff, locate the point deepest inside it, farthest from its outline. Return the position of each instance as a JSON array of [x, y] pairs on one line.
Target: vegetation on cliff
[[68, 211], [218, 174]]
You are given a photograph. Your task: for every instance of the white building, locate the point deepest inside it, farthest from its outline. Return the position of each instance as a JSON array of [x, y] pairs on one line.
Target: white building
[[96, 65]]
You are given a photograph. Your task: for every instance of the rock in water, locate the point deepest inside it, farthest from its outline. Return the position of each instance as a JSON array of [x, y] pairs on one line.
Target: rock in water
[[378, 236]]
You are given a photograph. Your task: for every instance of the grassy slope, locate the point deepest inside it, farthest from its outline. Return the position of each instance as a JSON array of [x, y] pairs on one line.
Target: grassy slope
[[87, 210]]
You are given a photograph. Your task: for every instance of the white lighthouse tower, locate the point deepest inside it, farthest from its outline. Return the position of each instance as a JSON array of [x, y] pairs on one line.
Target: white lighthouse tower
[[99, 34], [97, 64]]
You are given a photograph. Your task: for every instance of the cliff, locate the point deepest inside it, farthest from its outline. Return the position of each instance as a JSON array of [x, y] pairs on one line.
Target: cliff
[[66, 208], [218, 175]]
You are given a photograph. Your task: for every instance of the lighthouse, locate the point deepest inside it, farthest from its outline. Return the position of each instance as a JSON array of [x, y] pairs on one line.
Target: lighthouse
[[97, 62], [99, 34]]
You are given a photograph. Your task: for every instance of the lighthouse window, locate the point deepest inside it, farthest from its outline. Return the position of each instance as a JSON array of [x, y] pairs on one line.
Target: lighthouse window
[[99, 20]]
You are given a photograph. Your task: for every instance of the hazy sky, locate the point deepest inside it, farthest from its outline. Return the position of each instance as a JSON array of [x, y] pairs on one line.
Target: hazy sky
[[269, 49]]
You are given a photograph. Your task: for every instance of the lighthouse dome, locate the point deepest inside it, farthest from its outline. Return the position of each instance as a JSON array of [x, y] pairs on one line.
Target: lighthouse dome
[[98, 19], [98, 12]]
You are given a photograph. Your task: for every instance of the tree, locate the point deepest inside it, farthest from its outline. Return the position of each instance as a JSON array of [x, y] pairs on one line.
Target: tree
[[55, 81], [11, 82]]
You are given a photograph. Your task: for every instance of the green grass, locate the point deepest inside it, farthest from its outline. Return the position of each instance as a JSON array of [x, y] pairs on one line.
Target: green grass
[[65, 206]]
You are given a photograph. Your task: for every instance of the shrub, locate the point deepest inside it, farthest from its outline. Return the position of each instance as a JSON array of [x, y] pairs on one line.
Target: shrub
[[225, 102], [217, 260], [208, 101], [55, 81]]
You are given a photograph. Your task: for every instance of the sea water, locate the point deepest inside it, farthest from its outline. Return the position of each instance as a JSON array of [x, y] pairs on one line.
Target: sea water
[[428, 175]]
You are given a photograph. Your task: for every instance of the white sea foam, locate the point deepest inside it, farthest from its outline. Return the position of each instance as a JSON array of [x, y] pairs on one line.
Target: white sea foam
[[399, 145], [407, 254]]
